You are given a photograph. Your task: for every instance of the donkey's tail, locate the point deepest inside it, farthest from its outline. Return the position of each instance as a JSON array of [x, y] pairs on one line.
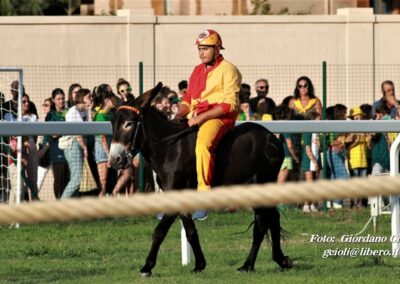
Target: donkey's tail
[[248, 228]]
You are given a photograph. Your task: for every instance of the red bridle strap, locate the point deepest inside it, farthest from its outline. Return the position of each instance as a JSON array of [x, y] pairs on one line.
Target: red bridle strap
[[135, 110]]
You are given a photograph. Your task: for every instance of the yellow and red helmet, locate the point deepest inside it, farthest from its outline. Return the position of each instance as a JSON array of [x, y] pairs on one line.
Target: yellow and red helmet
[[209, 37]]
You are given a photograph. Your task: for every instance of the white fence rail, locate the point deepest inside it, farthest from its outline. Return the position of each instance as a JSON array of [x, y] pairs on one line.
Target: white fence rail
[[90, 128]]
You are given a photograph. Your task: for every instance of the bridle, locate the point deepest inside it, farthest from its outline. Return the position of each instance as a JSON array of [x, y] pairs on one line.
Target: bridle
[[133, 151], [166, 140]]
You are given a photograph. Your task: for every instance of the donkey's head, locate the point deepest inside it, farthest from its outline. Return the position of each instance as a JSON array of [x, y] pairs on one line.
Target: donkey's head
[[127, 129]]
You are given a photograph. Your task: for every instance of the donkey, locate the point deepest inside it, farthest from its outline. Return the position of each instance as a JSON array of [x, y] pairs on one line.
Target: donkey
[[248, 153]]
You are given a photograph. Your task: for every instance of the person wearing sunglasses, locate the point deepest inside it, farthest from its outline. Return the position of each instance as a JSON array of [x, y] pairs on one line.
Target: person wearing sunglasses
[[305, 99], [124, 90], [10, 107], [262, 106]]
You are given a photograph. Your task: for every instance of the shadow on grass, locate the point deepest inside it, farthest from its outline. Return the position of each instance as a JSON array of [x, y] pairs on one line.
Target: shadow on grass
[[374, 261], [51, 276]]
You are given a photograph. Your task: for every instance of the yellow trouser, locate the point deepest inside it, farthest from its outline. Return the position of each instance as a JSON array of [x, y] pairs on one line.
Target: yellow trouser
[[210, 133]]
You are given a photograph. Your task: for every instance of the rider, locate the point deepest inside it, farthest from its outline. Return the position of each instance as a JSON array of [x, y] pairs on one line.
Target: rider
[[212, 103]]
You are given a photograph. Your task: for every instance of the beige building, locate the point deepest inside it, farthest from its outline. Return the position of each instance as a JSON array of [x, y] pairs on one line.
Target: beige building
[[227, 7], [360, 48]]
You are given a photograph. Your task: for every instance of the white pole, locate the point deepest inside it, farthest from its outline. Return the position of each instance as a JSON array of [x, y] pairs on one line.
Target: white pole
[[19, 141], [185, 247], [394, 199]]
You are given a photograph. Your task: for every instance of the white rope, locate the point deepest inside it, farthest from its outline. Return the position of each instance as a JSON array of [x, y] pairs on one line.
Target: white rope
[[189, 200]]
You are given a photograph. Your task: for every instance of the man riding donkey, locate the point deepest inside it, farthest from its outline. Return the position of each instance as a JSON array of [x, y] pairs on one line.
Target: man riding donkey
[[211, 102]]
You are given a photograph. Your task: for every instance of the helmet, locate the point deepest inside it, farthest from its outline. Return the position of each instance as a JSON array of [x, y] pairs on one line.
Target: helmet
[[209, 37]]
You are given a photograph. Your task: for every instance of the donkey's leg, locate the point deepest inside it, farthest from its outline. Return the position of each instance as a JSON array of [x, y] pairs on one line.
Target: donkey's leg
[[159, 234], [273, 219], [193, 239], [259, 230]]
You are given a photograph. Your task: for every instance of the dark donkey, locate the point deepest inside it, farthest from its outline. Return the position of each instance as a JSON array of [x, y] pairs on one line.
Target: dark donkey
[[249, 152]]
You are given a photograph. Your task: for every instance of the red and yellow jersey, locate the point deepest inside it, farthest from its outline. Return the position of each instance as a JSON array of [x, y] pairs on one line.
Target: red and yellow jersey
[[218, 85]]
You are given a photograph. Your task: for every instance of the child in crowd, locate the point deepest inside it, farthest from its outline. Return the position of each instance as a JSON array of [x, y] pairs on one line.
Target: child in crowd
[[358, 152]]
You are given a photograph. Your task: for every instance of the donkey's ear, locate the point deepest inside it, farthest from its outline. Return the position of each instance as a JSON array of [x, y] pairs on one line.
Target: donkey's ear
[[145, 99]]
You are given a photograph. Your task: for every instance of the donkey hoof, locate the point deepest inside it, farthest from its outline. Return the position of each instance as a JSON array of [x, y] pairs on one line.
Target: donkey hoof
[[199, 268], [145, 274], [286, 263], [245, 268]]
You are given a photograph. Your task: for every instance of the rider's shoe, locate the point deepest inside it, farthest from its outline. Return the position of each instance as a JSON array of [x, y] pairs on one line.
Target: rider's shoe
[[200, 215]]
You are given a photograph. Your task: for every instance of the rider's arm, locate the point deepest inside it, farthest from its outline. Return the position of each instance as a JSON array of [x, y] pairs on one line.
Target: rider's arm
[[210, 114], [231, 87]]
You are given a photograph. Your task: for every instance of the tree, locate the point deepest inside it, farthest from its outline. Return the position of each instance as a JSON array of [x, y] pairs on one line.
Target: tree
[[260, 7], [72, 5], [29, 7], [6, 8]]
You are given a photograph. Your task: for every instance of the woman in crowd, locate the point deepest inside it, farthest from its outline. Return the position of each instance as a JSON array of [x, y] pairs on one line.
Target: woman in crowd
[[29, 151], [44, 154], [72, 91], [77, 151], [102, 104], [59, 164], [305, 99], [124, 90]]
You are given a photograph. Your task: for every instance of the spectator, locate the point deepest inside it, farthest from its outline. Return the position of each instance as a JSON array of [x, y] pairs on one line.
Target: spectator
[[379, 144], [367, 110], [59, 164], [283, 112], [174, 102], [358, 152], [77, 151], [305, 99], [29, 152], [102, 103], [124, 90], [289, 101], [182, 86], [337, 151], [72, 91], [388, 98], [44, 153], [244, 100], [11, 106], [310, 159], [162, 104], [262, 104]]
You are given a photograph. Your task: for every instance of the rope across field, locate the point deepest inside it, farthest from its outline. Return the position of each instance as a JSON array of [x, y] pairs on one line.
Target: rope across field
[[189, 200]]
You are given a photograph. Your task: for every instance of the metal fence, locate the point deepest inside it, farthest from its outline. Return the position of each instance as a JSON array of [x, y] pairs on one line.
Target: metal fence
[[351, 85], [347, 84]]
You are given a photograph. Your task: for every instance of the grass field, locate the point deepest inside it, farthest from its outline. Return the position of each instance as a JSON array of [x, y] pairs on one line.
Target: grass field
[[112, 251]]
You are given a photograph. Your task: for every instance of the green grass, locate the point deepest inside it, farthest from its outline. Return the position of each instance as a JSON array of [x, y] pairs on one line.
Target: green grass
[[112, 251]]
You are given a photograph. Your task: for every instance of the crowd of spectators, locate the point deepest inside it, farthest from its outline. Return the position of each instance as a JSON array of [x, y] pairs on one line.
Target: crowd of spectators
[[349, 154]]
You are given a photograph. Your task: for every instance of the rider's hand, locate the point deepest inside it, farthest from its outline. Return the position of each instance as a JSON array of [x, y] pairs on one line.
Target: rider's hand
[[195, 120]]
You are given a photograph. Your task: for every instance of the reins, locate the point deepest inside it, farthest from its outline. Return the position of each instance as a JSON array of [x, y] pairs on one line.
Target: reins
[[174, 137], [170, 139]]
